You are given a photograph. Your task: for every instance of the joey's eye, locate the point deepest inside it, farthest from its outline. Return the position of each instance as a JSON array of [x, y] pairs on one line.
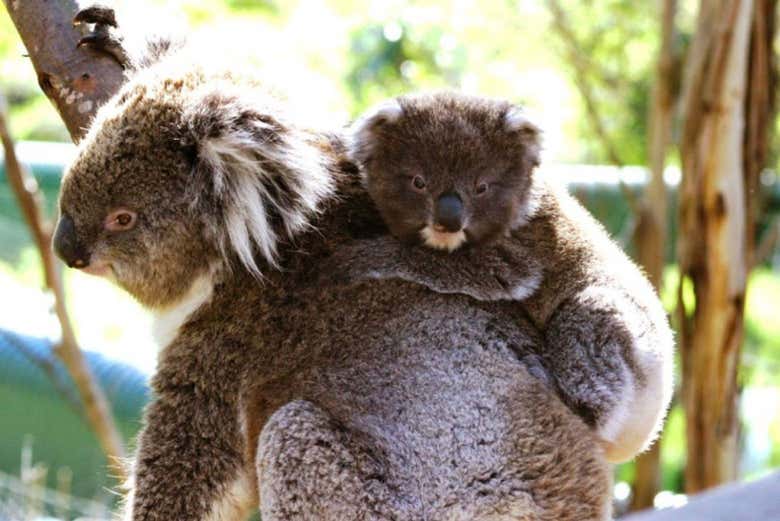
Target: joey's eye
[[120, 220], [418, 182], [481, 188]]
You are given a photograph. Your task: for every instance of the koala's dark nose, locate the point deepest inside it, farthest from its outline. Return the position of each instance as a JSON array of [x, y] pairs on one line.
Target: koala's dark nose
[[67, 246], [448, 213]]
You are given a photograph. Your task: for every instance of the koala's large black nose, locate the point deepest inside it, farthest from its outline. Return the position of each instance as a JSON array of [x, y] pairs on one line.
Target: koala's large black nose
[[67, 246], [448, 213]]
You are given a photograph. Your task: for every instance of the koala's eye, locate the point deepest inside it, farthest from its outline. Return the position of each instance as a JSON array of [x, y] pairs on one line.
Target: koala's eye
[[120, 220], [482, 188], [418, 182]]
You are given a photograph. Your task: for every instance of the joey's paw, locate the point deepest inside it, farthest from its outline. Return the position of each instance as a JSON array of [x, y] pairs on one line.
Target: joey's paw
[[511, 279], [342, 269], [363, 260], [103, 37], [537, 369], [330, 274]]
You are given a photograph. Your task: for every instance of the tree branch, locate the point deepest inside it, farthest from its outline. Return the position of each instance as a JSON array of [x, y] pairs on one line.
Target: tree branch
[[76, 80], [96, 408]]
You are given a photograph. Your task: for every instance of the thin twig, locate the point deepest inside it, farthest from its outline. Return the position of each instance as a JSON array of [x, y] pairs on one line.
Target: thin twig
[[96, 409], [768, 243]]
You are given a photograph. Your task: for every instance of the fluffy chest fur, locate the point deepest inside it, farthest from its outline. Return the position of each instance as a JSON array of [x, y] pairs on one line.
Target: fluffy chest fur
[[168, 321]]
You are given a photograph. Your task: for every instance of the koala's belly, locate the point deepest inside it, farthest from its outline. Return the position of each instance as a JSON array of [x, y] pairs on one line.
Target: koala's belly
[[434, 381]]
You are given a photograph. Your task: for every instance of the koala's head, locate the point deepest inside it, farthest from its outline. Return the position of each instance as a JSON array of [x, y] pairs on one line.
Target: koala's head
[[179, 175], [447, 169]]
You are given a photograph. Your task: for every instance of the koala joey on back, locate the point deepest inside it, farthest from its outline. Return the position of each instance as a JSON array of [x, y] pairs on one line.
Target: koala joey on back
[[196, 192], [454, 178]]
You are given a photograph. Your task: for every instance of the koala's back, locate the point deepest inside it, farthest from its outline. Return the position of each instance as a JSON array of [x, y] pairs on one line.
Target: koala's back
[[434, 386]]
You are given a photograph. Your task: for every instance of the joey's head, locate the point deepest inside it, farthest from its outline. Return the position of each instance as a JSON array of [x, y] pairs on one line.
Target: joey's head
[[180, 176], [447, 169]]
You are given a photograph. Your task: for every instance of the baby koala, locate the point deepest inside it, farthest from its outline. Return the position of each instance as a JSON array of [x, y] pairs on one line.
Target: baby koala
[[454, 178]]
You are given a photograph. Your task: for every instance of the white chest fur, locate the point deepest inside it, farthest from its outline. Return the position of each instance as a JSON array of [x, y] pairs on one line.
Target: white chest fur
[[167, 321]]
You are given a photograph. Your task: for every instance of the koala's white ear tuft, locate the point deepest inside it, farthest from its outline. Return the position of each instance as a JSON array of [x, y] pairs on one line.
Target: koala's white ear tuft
[[517, 120], [263, 173], [361, 132]]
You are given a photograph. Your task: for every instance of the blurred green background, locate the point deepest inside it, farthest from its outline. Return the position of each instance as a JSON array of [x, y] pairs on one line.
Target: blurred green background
[[338, 57]]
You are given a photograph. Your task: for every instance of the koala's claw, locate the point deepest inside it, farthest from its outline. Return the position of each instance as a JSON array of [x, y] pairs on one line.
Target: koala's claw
[[102, 38], [96, 14]]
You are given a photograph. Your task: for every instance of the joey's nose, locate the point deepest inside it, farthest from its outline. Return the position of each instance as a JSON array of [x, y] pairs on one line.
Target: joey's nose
[[448, 213], [67, 246]]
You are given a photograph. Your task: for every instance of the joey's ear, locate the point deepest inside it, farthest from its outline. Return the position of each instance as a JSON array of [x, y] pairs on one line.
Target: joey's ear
[[517, 121], [362, 133], [260, 174]]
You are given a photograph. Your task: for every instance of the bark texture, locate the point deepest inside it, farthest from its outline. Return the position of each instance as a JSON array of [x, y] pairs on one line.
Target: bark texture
[[715, 235], [76, 80]]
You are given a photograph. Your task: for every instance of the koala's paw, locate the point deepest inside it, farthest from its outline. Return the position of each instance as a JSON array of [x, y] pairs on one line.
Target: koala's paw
[[103, 37], [509, 276], [96, 14], [514, 285], [343, 268], [535, 366]]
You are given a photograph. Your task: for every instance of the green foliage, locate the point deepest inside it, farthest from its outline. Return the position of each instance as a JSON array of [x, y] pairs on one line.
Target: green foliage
[[673, 450], [497, 48], [611, 47], [761, 352], [32, 119], [253, 6], [392, 58], [8, 38]]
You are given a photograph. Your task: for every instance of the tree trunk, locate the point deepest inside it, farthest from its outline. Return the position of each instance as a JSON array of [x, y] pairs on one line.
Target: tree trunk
[[714, 237], [77, 81], [759, 113], [650, 234]]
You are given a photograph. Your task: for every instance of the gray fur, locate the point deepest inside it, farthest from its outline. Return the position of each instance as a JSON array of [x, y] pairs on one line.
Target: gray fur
[[312, 399], [607, 343]]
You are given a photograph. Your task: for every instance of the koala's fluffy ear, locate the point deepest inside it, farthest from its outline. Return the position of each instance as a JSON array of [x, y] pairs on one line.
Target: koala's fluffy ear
[[259, 175], [362, 133], [529, 135]]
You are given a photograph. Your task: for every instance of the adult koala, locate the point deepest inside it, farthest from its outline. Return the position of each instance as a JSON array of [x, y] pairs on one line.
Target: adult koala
[[377, 400]]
